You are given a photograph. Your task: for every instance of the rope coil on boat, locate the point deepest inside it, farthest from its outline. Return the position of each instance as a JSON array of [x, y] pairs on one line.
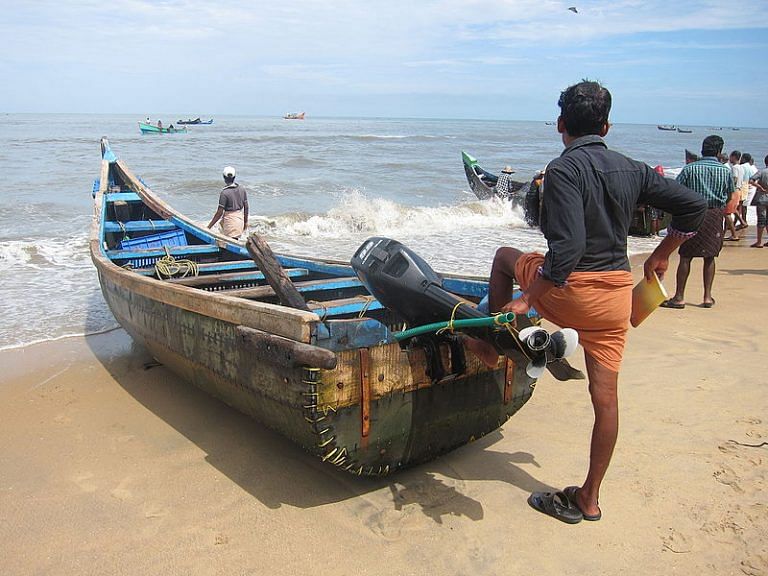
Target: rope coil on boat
[[168, 267]]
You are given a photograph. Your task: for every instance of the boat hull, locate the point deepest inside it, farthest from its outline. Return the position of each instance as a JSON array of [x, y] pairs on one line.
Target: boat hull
[[152, 129], [409, 418], [335, 382]]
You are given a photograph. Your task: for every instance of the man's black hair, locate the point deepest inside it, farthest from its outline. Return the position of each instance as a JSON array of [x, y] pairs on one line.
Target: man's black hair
[[736, 154], [746, 158], [584, 108], [712, 146]]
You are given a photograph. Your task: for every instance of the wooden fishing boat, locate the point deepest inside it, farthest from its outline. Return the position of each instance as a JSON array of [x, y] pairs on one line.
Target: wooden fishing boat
[[331, 376], [294, 116], [684, 130], [483, 185], [667, 127], [152, 129], [197, 122]]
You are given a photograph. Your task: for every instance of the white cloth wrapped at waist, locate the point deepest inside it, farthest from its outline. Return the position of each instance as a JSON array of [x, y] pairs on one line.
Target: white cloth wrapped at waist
[[233, 223]]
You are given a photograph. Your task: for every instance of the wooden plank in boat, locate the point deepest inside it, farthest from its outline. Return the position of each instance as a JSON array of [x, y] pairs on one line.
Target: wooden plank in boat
[[285, 352], [140, 226], [262, 254], [197, 281], [353, 305], [208, 267], [175, 251], [307, 286], [122, 197]]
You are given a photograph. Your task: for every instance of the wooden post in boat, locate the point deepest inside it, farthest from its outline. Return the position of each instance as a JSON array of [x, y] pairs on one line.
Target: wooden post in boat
[[286, 292]]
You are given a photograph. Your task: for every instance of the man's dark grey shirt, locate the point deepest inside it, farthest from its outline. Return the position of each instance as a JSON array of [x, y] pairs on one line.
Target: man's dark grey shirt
[[590, 195], [233, 197]]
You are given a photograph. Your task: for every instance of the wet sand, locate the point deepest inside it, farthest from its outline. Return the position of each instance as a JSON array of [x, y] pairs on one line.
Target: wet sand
[[111, 465]]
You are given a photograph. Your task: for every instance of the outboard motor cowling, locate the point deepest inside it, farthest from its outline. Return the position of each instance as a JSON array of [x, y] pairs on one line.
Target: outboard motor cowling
[[403, 282]]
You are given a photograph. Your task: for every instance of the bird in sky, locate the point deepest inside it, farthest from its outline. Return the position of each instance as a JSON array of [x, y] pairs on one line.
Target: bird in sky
[[573, 9]]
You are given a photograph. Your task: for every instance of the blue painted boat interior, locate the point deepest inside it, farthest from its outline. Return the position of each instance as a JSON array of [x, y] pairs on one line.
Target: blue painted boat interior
[[135, 237]]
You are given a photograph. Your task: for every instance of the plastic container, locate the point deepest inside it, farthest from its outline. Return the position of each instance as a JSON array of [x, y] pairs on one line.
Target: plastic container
[[172, 238]]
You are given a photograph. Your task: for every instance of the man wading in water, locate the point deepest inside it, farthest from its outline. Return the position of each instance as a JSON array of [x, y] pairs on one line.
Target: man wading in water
[[233, 206]]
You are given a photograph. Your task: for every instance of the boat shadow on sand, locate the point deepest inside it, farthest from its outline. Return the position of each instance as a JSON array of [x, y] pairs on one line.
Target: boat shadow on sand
[[275, 471]]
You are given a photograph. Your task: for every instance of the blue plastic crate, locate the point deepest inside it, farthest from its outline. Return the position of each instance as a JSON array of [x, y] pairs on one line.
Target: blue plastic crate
[[172, 238]]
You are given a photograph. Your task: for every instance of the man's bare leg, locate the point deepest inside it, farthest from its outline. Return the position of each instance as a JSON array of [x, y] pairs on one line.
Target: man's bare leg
[[502, 282], [500, 290], [709, 279], [603, 388], [681, 279]]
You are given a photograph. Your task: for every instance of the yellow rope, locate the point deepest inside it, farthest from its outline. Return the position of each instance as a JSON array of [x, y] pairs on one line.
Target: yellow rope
[[450, 322], [169, 267]]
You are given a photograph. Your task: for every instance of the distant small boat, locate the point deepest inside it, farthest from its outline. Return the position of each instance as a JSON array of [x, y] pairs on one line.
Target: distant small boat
[[152, 129], [683, 131], [294, 116], [549, 123], [669, 127], [195, 121]]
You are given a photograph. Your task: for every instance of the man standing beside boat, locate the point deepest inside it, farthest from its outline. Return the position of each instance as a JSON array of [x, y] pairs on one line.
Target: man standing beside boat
[[584, 280], [233, 206]]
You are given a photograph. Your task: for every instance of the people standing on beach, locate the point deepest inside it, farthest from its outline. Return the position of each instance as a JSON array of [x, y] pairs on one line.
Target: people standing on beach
[[731, 210], [748, 163], [741, 183], [760, 202], [233, 206], [714, 182], [504, 183], [584, 279]]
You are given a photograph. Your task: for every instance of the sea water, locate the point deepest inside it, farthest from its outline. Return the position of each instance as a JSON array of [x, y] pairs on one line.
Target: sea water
[[317, 187]]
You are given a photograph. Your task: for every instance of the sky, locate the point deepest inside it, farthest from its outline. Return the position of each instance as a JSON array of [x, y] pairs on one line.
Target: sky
[[681, 62]]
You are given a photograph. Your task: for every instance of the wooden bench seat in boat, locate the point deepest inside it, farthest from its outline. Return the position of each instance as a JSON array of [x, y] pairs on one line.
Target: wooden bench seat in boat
[[209, 267], [306, 286], [199, 281], [140, 226], [342, 306], [122, 197], [175, 251]]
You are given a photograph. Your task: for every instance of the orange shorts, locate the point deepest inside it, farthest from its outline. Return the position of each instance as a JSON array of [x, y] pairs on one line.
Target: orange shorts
[[595, 304]]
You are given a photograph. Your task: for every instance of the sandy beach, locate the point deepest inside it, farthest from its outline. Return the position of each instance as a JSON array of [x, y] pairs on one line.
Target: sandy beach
[[112, 465]]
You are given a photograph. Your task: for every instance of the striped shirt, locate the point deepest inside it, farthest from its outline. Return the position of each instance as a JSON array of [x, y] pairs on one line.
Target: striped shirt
[[710, 178]]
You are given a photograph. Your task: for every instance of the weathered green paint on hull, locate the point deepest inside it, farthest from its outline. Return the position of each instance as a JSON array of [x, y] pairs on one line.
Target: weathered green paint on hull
[[406, 427]]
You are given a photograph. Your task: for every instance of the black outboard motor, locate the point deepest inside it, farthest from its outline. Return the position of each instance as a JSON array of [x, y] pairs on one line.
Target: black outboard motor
[[404, 282]]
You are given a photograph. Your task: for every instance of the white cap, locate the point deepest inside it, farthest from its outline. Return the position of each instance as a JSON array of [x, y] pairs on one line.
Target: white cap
[[229, 172]]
